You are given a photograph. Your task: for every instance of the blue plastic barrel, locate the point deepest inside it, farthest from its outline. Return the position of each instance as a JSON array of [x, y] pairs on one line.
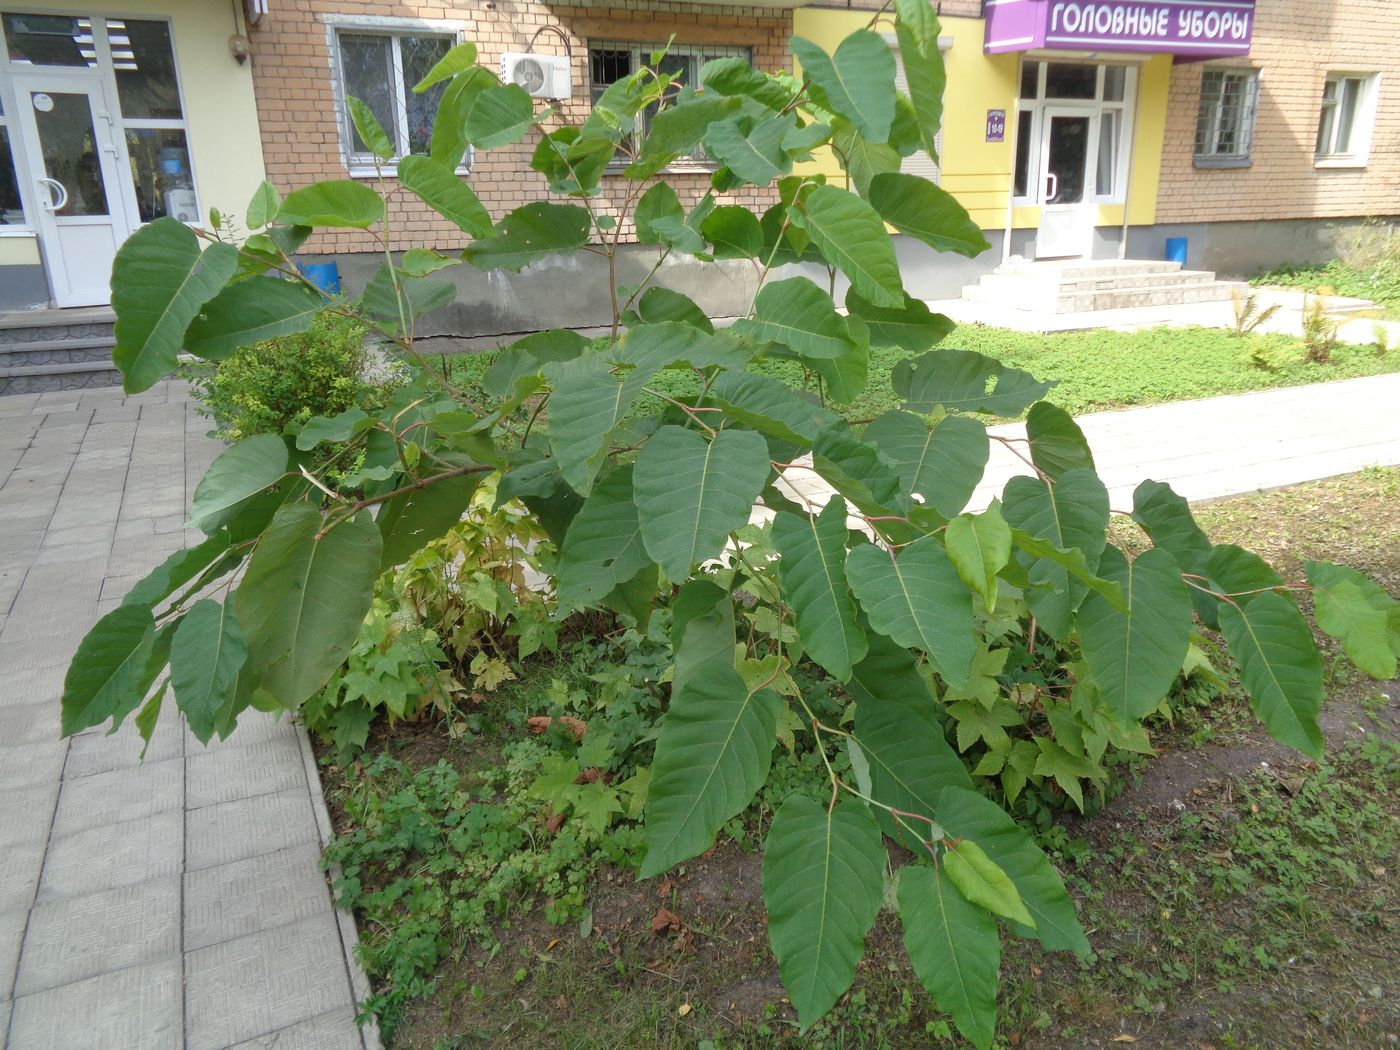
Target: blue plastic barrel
[[324, 275], [1176, 250]]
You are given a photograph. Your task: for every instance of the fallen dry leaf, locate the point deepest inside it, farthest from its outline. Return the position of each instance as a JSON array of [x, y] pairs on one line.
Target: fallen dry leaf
[[1124, 1038], [683, 1009], [553, 823], [541, 723], [665, 921]]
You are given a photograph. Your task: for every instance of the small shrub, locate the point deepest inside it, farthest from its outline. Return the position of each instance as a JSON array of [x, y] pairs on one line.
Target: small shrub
[[281, 383], [1249, 315], [1380, 340], [1319, 330]]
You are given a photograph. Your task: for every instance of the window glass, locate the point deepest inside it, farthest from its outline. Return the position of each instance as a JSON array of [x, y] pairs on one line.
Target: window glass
[[367, 69], [420, 54], [1025, 128], [1063, 80], [1225, 120], [380, 70], [49, 40], [1339, 125], [11, 210], [69, 151], [1115, 83], [1030, 80], [160, 171], [1346, 114], [1110, 135], [145, 69]]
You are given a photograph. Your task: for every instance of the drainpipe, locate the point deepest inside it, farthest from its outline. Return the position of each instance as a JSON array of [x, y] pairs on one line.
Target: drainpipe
[[1011, 183], [1128, 175]]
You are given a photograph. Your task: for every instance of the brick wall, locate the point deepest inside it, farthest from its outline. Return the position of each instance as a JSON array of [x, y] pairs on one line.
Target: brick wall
[[301, 143], [1296, 44]]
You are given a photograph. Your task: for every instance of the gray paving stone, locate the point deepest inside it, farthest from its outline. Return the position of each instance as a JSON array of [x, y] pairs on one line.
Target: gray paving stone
[[253, 727], [31, 764], [249, 827], [98, 532], [122, 794], [257, 984], [19, 874], [115, 855], [12, 925], [136, 1007], [26, 813], [100, 752], [29, 723], [245, 771], [6, 1008], [249, 896], [68, 555], [333, 1031], [81, 937]]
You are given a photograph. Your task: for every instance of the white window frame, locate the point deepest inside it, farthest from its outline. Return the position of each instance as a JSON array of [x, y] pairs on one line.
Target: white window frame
[[1094, 107], [361, 165], [641, 52], [1211, 120], [1363, 122]]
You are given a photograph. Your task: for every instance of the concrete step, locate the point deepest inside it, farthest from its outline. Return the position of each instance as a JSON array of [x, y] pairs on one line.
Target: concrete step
[[55, 351], [1075, 269], [79, 375], [43, 350], [1109, 299]]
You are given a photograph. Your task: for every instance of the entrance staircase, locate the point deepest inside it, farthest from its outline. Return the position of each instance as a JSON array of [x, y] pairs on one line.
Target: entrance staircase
[[43, 350], [1083, 285]]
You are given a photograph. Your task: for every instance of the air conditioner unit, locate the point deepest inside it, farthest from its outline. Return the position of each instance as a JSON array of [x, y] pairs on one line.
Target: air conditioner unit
[[542, 76]]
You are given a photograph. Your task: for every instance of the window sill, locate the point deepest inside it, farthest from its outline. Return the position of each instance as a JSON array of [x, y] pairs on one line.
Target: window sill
[[680, 167], [16, 231], [390, 171], [1221, 163], [1340, 162]]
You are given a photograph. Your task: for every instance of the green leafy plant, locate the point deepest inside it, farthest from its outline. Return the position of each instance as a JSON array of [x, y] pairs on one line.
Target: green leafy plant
[[1319, 329], [883, 587], [1248, 314]]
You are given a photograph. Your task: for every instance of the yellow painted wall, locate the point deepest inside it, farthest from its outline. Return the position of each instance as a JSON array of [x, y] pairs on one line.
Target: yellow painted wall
[[977, 172], [220, 113], [19, 250]]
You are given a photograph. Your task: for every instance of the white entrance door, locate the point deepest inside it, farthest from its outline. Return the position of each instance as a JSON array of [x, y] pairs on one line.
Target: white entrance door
[[1067, 211], [74, 167]]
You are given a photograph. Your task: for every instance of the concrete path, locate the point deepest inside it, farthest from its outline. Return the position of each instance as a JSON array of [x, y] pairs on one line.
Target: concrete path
[[172, 903]]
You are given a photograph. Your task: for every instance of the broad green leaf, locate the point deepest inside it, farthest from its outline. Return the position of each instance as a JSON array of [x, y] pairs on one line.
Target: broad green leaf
[[110, 673], [340, 427], [736, 76], [967, 815], [262, 209], [529, 234], [677, 130], [525, 359], [912, 327], [409, 522], [1071, 560], [1279, 666], [499, 116], [800, 316], [240, 471], [713, 754], [823, 882], [754, 154], [146, 718], [398, 301], [857, 81], [769, 406], [340, 202], [571, 164], [660, 219], [1071, 513], [906, 138], [855, 469], [915, 206], [658, 305], [1135, 657], [691, 493], [655, 345], [588, 401], [955, 950], [458, 60], [160, 280], [206, 656], [177, 570], [367, 127], [979, 545], [1358, 613], [980, 879], [1240, 574], [916, 28], [603, 547], [734, 232], [897, 728], [958, 381], [448, 145], [702, 631], [1167, 520], [844, 378], [421, 262], [862, 160], [813, 574], [917, 599], [943, 464], [850, 235], [1057, 443], [303, 599], [440, 188], [249, 312]]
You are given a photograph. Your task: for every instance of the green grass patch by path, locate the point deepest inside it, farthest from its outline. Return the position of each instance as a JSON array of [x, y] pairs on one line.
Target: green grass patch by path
[[1095, 370], [1379, 283]]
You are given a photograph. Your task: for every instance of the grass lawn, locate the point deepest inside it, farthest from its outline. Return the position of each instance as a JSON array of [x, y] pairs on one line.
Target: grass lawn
[[1095, 370], [1380, 283], [1236, 895]]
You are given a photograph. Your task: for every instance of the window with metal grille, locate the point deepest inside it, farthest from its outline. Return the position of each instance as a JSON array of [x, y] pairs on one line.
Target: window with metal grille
[[1225, 120]]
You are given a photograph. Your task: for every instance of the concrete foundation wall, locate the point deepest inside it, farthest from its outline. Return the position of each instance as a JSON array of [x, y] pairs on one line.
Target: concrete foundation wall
[[23, 288], [1241, 249]]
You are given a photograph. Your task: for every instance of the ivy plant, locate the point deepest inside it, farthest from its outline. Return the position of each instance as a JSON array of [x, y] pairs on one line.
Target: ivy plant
[[891, 588]]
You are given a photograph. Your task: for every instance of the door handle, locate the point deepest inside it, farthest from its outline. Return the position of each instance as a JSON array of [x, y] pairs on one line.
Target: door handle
[[48, 202], [1053, 190]]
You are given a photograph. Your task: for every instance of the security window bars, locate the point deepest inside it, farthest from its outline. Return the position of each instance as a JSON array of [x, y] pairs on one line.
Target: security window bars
[[1225, 121]]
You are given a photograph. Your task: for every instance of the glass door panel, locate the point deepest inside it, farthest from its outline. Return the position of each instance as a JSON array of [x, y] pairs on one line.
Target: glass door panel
[[1067, 157], [70, 152]]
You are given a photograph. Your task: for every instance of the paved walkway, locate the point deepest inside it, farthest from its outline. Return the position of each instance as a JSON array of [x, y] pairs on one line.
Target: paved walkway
[[176, 903]]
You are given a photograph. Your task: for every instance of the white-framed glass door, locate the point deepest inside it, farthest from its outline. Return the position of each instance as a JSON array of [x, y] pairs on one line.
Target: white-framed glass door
[[1068, 142], [74, 166]]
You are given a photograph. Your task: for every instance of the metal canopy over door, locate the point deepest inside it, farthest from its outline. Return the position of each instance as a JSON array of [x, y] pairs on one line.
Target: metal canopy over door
[[1067, 211], [73, 163]]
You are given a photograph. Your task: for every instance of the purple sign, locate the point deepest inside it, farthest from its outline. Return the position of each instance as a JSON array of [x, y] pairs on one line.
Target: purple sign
[[1186, 28], [996, 125]]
